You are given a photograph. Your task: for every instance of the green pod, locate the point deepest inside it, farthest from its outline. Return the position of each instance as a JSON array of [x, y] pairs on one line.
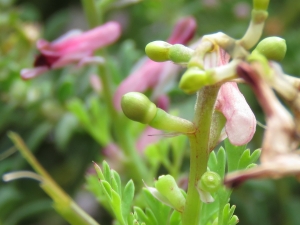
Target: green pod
[[167, 122], [210, 182], [167, 186], [136, 106], [180, 54], [194, 79], [158, 51], [273, 48]]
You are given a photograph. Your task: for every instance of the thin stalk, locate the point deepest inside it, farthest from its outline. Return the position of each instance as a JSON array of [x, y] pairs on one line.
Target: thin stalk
[[90, 11], [63, 203], [199, 142], [137, 167]]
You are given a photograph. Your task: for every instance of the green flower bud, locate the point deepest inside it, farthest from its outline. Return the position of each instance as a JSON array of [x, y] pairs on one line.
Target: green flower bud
[[136, 106], [167, 186], [180, 54], [158, 51], [210, 182], [261, 4], [273, 48], [194, 79]]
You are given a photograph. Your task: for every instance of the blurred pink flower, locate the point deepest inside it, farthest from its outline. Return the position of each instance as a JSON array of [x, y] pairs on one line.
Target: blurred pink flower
[[240, 121], [154, 75], [73, 47]]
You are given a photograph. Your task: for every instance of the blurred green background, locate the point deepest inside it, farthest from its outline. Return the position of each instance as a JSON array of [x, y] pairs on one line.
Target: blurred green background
[[37, 109]]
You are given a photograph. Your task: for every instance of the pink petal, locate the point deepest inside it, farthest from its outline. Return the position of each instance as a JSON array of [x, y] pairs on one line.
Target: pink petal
[[96, 83], [88, 60], [163, 102], [241, 123], [149, 136], [27, 74], [184, 31], [144, 78], [90, 40]]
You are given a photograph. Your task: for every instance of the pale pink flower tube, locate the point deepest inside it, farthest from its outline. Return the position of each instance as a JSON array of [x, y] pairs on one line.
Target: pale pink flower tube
[[240, 120], [73, 47]]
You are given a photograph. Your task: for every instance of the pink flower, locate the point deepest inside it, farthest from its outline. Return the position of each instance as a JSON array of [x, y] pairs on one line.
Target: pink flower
[[279, 156], [153, 75], [240, 121], [73, 47]]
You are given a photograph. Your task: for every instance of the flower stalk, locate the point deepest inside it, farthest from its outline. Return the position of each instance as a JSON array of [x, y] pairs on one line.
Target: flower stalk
[[200, 149]]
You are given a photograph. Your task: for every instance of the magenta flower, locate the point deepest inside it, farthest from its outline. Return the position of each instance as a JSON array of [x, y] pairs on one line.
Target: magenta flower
[[73, 47], [240, 120], [154, 75]]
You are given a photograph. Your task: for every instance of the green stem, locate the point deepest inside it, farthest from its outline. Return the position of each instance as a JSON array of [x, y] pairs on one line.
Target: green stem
[[137, 167], [199, 142], [90, 11], [63, 203]]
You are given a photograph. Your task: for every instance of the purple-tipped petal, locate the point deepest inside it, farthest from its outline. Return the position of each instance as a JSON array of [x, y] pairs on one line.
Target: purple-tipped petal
[[146, 77], [241, 123], [184, 31], [73, 47]]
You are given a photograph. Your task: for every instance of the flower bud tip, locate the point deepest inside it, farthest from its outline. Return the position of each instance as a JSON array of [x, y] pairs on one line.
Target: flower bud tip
[[136, 106], [273, 48], [158, 51]]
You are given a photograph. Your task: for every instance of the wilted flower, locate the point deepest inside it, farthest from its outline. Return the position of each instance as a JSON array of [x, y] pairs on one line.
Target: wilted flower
[[279, 156], [153, 75], [73, 47]]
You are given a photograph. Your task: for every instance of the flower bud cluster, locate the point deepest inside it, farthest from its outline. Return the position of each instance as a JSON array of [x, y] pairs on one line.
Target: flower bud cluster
[[161, 51]]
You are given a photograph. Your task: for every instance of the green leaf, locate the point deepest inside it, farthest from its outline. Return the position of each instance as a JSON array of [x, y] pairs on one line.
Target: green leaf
[[175, 218], [227, 214], [234, 154], [151, 217], [114, 185], [106, 171], [117, 179], [77, 108], [217, 163], [247, 159], [99, 172], [106, 189], [64, 130], [141, 215], [127, 198], [116, 206], [160, 210]]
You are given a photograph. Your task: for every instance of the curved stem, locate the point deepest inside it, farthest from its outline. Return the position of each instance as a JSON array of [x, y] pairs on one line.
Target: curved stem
[[200, 148]]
